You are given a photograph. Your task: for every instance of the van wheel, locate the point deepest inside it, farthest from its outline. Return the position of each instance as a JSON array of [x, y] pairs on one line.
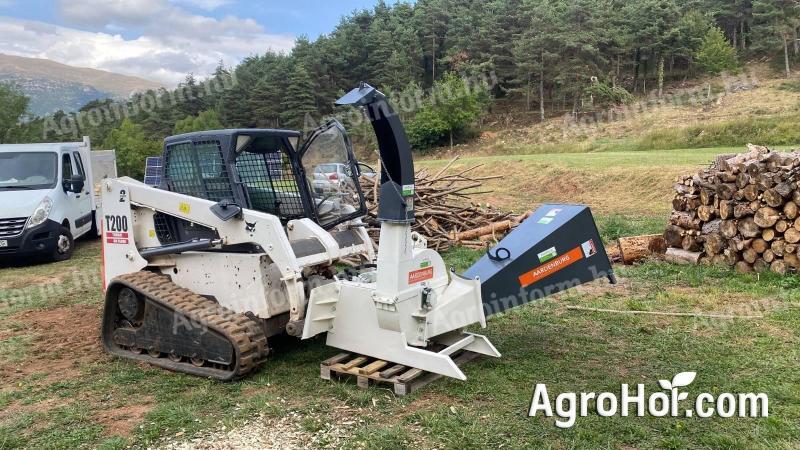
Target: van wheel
[[65, 245]]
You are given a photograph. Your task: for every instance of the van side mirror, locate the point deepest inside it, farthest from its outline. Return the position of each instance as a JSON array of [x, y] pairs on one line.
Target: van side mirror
[[75, 184]]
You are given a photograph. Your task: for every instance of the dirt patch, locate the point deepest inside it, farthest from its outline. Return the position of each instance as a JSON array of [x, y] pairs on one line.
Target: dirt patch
[[64, 339], [17, 408], [122, 421]]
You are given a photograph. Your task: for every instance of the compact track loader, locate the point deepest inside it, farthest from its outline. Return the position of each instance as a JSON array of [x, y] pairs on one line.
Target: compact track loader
[[241, 239]]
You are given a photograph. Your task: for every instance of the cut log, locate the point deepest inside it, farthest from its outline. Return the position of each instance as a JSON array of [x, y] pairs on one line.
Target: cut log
[[731, 257], [790, 210], [742, 210], [714, 244], [750, 192], [636, 248], [768, 234], [706, 213], [792, 261], [773, 198], [750, 255], [498, 227], [784, 189], [744, 267], [685, 220], [781, 226], [778, 247], [779, 266], [792, 236], [726, 209], [725, 191], [678, 256], [674, 236], [766, 217], [759, 245], [706, 196], [768, 256], [728, 228], [748, 228], [760, 266], [690, 244]]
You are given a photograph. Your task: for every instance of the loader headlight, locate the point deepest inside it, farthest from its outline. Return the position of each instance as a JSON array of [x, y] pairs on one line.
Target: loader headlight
[[41, 213]]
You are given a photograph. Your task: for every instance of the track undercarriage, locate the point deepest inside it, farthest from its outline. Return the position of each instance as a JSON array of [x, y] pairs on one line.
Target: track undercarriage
[[149, 318]]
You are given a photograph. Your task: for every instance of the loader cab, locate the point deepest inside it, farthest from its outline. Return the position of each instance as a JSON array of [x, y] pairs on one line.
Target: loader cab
[[264, 170]]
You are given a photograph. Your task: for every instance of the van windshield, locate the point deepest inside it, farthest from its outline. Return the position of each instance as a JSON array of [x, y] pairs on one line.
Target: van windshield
[[28, 170]]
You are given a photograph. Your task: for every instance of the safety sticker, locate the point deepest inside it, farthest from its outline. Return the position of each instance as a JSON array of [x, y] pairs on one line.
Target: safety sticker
[[185, 208], [116, 237], [545, 220], [588, 248], [553, 212], [547, 255], [551, 267], [420, 275], [408, 190]]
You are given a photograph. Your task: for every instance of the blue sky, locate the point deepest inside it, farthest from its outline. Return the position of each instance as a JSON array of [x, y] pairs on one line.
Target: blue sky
[[162, 40]]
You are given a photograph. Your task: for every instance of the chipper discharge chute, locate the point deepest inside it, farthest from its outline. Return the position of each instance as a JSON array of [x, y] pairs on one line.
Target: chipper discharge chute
[[241, 240]]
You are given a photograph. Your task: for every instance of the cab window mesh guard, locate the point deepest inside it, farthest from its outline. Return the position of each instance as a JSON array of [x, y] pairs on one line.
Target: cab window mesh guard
[[271, 185]]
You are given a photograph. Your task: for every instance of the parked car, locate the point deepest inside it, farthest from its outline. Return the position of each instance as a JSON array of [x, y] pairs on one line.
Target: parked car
[[47, 199], [332, 178]]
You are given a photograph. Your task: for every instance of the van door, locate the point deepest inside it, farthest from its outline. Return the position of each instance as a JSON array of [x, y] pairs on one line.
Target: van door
[[79, 204]]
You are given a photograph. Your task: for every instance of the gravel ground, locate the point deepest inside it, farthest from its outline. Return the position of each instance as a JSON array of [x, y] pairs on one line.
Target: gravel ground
[[263, 433]]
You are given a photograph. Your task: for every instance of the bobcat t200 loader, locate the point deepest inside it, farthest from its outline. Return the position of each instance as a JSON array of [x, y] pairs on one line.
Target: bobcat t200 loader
[[240, 242]]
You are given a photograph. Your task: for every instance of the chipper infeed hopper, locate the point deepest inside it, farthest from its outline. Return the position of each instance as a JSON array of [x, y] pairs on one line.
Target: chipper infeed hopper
[[555, 249]]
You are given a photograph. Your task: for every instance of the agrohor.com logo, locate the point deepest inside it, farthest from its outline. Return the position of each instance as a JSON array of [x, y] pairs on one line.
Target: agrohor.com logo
[[569, 406]]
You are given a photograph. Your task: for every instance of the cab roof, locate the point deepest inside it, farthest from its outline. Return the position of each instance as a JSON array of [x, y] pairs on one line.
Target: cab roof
[[256, 132]]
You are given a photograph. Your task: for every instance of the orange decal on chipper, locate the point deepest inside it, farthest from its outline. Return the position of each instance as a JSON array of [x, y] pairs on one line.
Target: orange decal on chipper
[[551, 267], [420, 275]]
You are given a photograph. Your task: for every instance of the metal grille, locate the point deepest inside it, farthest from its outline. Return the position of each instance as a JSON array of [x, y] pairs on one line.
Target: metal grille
[[12, 227], [269, 179], [198, 170]]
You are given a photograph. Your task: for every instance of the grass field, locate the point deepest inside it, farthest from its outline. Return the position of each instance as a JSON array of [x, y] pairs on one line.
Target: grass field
[[60, 390]]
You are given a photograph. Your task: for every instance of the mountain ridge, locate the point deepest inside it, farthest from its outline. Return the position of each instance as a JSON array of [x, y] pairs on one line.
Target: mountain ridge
[[52, 85]]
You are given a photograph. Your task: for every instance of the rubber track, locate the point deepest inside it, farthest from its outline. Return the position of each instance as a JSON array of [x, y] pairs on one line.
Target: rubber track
[[245, 334]]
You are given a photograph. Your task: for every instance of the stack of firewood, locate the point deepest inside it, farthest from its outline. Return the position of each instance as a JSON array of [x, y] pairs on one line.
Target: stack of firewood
[[742, 211], [445, 213]]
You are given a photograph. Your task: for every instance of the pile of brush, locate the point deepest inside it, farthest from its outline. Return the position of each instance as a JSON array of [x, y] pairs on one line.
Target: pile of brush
[[445, 213], [742, 211]]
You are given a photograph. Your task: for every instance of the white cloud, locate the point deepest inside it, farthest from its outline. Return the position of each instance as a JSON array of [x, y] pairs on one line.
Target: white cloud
[[208, 5], [171, 42]]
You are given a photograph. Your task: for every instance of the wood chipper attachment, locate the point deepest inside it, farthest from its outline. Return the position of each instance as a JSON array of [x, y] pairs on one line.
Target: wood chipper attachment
[[410, 309]]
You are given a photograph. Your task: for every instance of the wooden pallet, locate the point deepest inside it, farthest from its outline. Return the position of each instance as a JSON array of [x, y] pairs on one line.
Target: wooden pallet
[[366, 370]]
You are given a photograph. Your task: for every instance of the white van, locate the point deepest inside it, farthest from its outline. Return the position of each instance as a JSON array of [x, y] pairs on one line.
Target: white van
[[47, 199]]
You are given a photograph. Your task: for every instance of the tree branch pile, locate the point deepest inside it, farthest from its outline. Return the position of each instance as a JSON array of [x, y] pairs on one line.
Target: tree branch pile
[[445, 213], [741, 211]]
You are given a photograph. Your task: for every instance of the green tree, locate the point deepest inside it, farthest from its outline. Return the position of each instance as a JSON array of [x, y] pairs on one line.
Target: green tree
[[13, 105], [298, 102], [452, 106], [775, 24], [206, 120], [132, 148], [716, 55]]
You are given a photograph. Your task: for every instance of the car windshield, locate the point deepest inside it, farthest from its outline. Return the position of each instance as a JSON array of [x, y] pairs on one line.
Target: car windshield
[[28, 170]]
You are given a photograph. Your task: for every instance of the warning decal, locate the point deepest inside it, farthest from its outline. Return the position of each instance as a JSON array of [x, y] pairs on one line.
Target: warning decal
[[420, 275], [116, 237], [551, 267]]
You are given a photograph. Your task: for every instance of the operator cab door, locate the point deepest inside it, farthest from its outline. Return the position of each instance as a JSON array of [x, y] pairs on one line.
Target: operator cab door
[[79, 203], [332, 173]]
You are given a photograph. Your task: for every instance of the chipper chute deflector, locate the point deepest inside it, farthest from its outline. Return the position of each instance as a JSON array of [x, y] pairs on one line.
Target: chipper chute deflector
[[241, 239]]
